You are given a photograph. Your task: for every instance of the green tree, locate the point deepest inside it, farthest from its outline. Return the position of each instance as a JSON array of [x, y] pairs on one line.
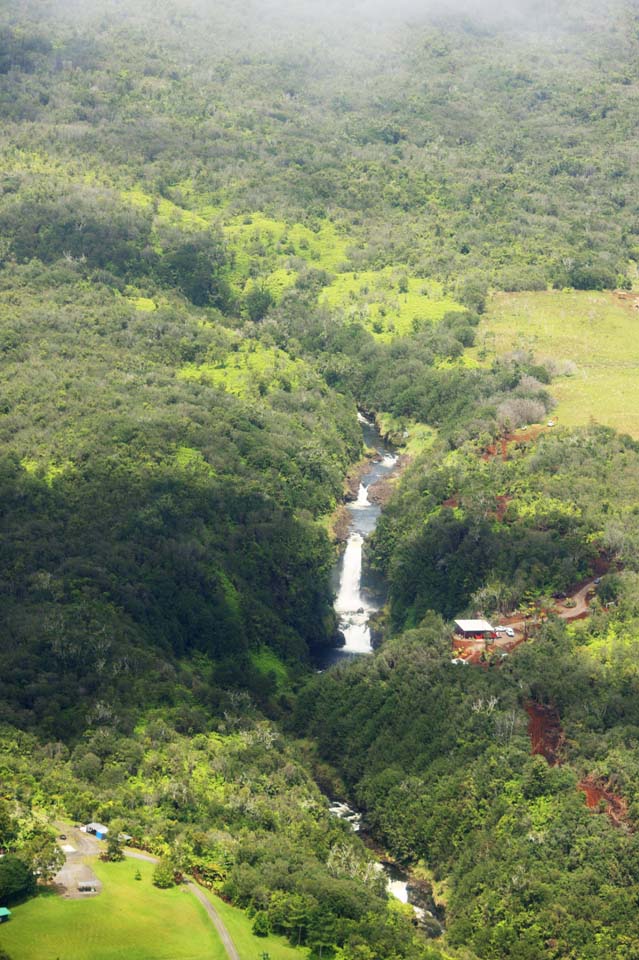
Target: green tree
[[261, 926], [164, 874], [17, 879], [114, 851]]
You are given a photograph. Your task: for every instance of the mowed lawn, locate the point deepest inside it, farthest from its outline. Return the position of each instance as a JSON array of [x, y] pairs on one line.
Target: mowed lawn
[[130, 920], [250, 947], [598, 331]]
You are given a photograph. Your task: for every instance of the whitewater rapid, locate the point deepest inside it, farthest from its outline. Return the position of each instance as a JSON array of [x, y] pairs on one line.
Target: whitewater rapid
[[356, 598]]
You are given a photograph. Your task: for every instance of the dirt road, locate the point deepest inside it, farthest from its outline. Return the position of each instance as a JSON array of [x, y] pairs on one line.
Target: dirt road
[[472, 650], [77, 848], [212, 913]]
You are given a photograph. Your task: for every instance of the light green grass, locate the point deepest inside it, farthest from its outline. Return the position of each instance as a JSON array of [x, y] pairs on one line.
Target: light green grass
[[409, 436], [259, 236], [252, 370], [387, 302], [598, 331], [143, 304], [267, 662], [129, 920], [249, 946]]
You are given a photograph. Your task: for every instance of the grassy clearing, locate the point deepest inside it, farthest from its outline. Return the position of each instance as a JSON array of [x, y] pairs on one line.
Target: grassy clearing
[[268, 663], [411, 437], [249, 946], [598, 331], [387, 302], [130, 920], [252, 370]]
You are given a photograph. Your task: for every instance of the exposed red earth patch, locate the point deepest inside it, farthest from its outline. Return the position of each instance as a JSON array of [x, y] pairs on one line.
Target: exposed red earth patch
[[544, 730], [500, 447], [597, 794], [547, 739], [502, 505]]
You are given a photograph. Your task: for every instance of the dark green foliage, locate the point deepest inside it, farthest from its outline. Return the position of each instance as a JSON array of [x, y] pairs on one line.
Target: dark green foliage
[[258, 302], [114, 851], [16, 879], [194, 264], [473, 533], [261, 925], [162, 536], [439, 758]]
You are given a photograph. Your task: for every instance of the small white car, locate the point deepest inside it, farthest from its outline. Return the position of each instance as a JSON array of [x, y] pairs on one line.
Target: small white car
[[458, 660], [510, 632]]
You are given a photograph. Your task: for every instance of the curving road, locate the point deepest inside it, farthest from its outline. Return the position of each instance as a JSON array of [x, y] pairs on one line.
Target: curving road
[[213, 915], [81, 845], [471, 651]]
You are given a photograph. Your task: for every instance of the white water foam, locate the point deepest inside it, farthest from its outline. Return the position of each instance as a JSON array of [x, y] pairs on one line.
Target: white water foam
[[362, 497], [350, 605]]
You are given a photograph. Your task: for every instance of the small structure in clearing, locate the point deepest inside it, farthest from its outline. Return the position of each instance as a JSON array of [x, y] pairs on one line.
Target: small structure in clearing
[[474, 630], [4, 914], [97, 829]]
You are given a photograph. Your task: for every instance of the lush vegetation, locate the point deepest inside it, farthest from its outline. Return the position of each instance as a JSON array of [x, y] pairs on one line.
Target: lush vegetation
[[478, 531], [439, 757], [588, 341], [121, 922], [223, 228]]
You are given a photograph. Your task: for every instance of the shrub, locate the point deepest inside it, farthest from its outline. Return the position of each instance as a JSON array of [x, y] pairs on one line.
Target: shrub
[[164, 875]]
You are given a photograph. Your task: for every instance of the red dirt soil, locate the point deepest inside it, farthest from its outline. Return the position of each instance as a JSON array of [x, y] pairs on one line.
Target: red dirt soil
[[502, 505], [547, 739], [596, 793], [544, 730], [500, 447]]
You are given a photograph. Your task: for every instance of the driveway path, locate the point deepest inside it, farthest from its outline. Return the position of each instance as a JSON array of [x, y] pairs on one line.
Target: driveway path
[[79, 845], [472, 650], [212, 913], [216, 919], [76, 848]]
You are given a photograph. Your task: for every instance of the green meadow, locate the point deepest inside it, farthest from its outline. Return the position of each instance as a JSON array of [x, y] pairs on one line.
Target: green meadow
[[590, 338], [130, 920], [252, 369], [248, 945], [387, 302]]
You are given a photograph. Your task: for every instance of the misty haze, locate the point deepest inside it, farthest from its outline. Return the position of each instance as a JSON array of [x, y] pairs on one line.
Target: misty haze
[[319, 472]]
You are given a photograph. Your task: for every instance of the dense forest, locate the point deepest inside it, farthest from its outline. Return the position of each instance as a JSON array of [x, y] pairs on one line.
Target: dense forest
[[225, 229]]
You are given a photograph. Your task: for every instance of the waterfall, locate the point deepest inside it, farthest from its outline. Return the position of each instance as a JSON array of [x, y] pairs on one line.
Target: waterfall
[[359, 593], [362, 497], [350, 605]]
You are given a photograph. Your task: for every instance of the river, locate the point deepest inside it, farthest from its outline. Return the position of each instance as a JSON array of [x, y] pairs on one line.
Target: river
[[358, 593], [358, 597]]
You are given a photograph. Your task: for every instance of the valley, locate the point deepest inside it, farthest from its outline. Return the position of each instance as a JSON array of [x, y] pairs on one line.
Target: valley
[[318, 334]]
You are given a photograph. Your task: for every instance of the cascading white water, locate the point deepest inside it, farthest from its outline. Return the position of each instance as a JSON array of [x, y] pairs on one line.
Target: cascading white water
[[362, 497], [350, 605], [358, 593], [348, 598]]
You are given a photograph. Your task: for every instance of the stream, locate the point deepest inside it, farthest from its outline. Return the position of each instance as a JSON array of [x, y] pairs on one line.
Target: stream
[[358, 593], [358, 596]]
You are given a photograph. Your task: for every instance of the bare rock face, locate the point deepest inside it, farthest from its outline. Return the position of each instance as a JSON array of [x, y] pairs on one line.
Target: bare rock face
[[431, 915], [338, 639], [341, 524], [376, 627]]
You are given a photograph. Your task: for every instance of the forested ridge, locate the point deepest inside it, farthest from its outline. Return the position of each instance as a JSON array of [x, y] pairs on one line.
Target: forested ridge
[[223, 230]]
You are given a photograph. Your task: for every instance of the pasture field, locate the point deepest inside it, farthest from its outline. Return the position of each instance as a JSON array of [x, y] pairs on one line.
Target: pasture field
[[248, 945], [597, 331], [130, 920]]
